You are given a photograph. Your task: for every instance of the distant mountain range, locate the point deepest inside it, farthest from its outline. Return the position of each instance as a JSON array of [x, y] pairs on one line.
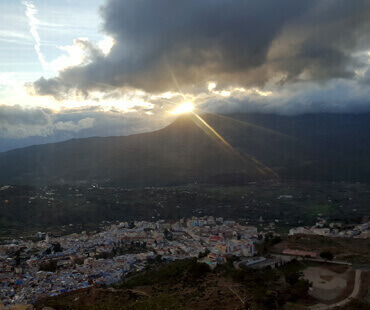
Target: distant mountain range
[[227, 149]]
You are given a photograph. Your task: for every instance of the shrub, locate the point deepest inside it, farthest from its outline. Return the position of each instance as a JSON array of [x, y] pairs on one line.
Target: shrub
[[327, 255], [292, 278], [50, 266]]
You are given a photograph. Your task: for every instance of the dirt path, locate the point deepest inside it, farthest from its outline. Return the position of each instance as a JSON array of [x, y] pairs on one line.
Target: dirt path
[[354, 293]]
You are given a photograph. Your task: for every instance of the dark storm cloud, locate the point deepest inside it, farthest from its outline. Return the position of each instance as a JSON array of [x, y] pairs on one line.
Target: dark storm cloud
[[337, 96], [244, 42]]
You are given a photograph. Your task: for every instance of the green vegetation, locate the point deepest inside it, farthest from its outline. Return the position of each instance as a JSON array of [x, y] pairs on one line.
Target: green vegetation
[[356, 305], [114, 302], [132, 248], [327, 255], [50, 266], [265, 286], [267, 243], [296, 267], [187, 284], [67, 209], [183, 271], [164, 301], [321, 209]]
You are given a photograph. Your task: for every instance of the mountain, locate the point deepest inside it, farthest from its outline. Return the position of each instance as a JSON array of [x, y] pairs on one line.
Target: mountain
[[211, 148], [328, 147], [185, 151]]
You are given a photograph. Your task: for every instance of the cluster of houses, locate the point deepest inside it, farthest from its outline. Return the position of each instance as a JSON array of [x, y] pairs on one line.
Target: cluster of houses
[[323, 228], [51, 266]]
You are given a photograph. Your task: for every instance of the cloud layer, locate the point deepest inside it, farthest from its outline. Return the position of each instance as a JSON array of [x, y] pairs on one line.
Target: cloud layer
[[286, 57], [250, 43], [21, 126], [18, 122]]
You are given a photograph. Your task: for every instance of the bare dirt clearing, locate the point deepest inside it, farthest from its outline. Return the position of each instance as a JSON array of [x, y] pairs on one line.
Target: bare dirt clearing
[[327, 285]]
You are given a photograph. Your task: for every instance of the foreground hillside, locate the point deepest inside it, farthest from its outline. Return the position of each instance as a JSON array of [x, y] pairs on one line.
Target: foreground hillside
[[312, 147], [187, 284]]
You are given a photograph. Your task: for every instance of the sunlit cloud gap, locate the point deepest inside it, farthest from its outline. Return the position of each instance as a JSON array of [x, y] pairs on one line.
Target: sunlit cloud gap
[[183, 108], [258, 163]]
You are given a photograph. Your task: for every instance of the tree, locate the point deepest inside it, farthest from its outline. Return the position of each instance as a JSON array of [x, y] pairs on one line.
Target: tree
[[275, 240], [79, 261], [18, 257], [158, 258], [233, 259], [327, 255], [204, 254], [49, 266], [57, 247], [292, 278], [299, 290]]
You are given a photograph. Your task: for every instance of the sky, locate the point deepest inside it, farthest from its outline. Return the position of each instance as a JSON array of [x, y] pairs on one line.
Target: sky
[[72, 69]]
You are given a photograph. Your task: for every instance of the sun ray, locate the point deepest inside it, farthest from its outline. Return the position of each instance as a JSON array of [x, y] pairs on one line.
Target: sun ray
[[260, 166], [176, 83], [215, 132], [188, 107], [252, 125]]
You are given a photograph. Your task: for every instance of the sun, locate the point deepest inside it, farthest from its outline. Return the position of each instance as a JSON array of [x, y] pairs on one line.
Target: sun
[[185, 107]]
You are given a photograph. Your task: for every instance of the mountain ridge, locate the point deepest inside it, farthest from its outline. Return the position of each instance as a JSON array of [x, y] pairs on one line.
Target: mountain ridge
[[235, 148]]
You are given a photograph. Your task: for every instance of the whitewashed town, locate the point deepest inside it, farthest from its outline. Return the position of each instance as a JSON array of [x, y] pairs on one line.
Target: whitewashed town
[[334, 229], [33, 268], [50, 266]]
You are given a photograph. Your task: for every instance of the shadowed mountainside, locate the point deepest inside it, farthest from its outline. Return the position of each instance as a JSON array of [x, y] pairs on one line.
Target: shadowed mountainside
[[314, 147], [185, 151]]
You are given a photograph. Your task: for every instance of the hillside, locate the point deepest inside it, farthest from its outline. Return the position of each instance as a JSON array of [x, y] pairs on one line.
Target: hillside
[[330, 147], [185, 151], [186, 284], [314, 147]]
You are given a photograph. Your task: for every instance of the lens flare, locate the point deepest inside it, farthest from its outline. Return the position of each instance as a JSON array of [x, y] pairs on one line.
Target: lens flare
[[260, 166], [185, 107]]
